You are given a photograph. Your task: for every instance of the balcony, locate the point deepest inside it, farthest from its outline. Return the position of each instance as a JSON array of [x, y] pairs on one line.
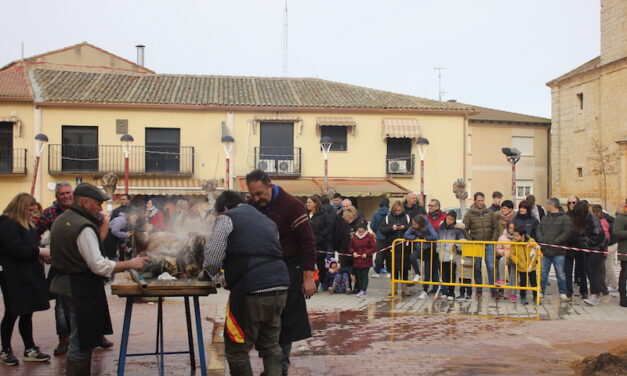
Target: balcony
[[399, 165], [13, 161], [100, 159], [278, 161]]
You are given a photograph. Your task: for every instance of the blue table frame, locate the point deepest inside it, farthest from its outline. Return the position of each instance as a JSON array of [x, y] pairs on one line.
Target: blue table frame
[[159, 347]]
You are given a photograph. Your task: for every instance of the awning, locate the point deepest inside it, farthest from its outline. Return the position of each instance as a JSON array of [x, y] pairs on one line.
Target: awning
[[162, 186], [401, 128], [352, 187], [336, 121]]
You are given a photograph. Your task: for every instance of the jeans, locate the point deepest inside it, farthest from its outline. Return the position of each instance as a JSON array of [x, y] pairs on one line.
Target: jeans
[[448, 275], [381, 257], [74, 352], [527, 280], [61, 319], [431, 270], [558, 265], [489, 263]]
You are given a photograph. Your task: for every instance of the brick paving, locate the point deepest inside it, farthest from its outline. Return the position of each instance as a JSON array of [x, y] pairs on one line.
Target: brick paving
[[376, 336]]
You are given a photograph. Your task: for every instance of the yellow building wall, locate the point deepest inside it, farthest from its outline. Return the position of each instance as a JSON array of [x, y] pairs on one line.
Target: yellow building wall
[[10, 185]]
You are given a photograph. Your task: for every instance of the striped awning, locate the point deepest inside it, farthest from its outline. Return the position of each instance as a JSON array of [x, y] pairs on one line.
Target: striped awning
[[162, 186], [401, 128], [337, 121], [355, 187]]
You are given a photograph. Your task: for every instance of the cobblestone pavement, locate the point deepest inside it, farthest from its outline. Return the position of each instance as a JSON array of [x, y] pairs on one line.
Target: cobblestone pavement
[[375, 336]]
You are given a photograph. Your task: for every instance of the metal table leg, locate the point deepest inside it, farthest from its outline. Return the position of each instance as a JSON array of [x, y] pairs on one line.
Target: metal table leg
[[159, 343], [125, 331], [199, 337], [190, 335]]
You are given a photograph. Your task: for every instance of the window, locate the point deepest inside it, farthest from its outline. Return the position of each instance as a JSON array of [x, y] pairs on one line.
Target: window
[[524, 145], [580, 172], [580, 100], [338, 135], [79, 149], [524, 188], [6, 147], [163, 149], [399, 159]]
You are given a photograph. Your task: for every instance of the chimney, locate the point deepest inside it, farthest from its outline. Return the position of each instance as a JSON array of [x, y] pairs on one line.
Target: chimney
[[452, 101], [140, 54]]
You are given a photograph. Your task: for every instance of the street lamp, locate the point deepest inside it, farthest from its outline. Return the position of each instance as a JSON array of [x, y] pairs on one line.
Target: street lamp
[[325, 143], [423, 144], [513, 156], [40, 141], [126, 140], [227, 142]]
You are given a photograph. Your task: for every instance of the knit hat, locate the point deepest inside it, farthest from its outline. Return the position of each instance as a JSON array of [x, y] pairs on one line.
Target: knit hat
[[508, 204]]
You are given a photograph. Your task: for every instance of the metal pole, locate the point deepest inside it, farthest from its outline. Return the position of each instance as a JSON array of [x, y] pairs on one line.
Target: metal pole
[[326, 175], [126, 173], [32, 187], [514, 183], [422, 180], [228, 173]]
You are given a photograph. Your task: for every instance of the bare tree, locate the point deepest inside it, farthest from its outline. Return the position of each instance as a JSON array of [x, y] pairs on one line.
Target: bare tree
[[603, 161]]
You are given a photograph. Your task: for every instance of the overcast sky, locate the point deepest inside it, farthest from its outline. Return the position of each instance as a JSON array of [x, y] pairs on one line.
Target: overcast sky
[[499, 54]]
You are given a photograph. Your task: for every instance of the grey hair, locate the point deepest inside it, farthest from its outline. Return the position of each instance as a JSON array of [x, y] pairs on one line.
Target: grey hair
[[437, 202], [61, 184], [553, 201]]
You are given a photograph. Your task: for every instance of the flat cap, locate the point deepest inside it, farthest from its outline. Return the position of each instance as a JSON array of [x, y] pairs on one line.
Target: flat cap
[[91, 191]]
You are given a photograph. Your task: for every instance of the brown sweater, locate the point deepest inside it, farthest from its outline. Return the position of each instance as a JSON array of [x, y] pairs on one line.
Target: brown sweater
[[295, 231]]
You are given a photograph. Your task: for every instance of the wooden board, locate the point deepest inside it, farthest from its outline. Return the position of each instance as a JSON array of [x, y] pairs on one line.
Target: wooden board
[[123, 285]]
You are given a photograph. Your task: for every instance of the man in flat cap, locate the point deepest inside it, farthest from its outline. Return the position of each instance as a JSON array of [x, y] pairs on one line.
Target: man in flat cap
[[77, 255]]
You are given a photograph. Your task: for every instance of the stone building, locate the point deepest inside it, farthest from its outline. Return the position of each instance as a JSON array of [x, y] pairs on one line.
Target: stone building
[[589, 132]]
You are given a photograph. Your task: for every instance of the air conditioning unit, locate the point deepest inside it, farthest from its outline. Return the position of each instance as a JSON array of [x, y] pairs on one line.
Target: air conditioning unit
[[285, 166], [267, 165], [397, 166]]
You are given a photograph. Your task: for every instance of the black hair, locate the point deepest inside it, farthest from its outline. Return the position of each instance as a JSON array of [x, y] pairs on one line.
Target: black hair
[[258, 175], [507, 204], [362, 224], [521, 229], [337, 195], [452, 213], [477, 194], [126, 195], [497, 194], [325, 200], [228, 200]]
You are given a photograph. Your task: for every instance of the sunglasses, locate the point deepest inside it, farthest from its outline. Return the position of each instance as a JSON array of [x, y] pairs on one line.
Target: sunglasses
[[572, 202]]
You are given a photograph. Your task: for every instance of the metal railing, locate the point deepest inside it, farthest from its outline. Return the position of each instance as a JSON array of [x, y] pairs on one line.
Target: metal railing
[[518, 268], [399, 164], [13, 161], [143, 160], [279, 161]]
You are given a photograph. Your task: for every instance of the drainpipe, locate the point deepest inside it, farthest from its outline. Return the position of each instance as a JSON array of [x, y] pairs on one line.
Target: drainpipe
[[37, 129], [229, 126]]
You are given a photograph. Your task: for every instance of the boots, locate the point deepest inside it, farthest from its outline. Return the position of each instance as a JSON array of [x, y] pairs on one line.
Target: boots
[[405, 290], [61, 348], [78, 367]]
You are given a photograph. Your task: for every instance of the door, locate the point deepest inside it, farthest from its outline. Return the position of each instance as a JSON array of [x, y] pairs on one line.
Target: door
[[276, 152], [79, 149], [163, 149], [6, 147]]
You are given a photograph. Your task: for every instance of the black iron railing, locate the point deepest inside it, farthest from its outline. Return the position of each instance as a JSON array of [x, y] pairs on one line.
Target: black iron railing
[[13, 161], [143, 160], [399, 164], [278, 161]]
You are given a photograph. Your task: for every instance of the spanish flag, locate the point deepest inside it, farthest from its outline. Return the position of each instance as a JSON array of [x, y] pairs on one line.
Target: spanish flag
[[231, 327]]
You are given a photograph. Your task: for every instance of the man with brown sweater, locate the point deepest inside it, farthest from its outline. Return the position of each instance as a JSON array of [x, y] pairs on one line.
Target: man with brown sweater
[[297, 243]]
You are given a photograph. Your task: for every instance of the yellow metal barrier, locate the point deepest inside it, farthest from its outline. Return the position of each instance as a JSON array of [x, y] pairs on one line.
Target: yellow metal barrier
[[525, 258]]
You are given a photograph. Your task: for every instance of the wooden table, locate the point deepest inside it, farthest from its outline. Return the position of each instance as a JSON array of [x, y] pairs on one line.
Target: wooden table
[[124, 286]]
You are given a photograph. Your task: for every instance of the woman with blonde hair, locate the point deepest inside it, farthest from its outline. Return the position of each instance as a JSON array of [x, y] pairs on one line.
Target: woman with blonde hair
[[22, 279]]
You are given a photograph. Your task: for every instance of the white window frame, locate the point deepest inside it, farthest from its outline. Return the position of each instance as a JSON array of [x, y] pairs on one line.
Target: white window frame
[[526, 185], [524, 153]]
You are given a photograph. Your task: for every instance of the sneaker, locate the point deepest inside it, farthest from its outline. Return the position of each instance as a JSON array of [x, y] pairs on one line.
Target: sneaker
[[361, 294], [468, 298], [524, 300], [416, 278], [8, 359], [375, 275], [593, 301], [384, 270], [494, 295], [513, 298], [450, 298], [389, 275], [479, 294], [500, 282], [422, 295], [612, 289], [564, 298], [34, 355]]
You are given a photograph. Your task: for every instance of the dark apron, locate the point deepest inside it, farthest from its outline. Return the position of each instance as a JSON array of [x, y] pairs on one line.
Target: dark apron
[[92, 310], [294, 320]]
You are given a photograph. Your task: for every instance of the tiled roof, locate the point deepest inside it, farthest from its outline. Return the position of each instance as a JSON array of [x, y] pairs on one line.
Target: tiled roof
[[14, 84], [580, 69], [161, 89], [492, 115]]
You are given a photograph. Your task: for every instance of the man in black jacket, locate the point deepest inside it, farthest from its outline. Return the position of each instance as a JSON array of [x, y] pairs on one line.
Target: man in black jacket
[[247, 243]]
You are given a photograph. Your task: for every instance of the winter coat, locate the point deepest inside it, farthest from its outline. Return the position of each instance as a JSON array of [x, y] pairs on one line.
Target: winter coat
[[377, 218], [521, 256], [554, 228], [414, 210], [321, 229], [592, 237], [436, 218], [619, 230], [504, 219], [481, 224], [448, 251], [367, 245], [24, 283], [529, 222], [424, 248], [505, 237], [156, 219], [391, 220]]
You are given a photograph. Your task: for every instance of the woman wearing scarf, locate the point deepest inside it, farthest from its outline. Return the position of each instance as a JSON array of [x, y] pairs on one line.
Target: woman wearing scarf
[[154, 217]]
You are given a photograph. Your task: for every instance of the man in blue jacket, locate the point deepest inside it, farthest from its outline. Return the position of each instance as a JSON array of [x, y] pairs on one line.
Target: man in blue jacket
[[377, 218]]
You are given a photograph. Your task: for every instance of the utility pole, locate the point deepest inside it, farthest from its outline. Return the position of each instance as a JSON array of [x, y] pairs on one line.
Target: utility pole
[[285, 41], [440, 91]]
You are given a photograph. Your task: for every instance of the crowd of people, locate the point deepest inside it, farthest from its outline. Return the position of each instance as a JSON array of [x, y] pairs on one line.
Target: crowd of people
[[340, 229]]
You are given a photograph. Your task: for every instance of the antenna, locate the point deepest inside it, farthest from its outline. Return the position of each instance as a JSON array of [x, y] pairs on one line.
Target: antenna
[[285, 41], [22, 50], [440, 91]]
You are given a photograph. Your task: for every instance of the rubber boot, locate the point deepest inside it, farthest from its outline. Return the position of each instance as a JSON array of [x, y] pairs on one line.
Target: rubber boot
[[78, 367], [405, 290]]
